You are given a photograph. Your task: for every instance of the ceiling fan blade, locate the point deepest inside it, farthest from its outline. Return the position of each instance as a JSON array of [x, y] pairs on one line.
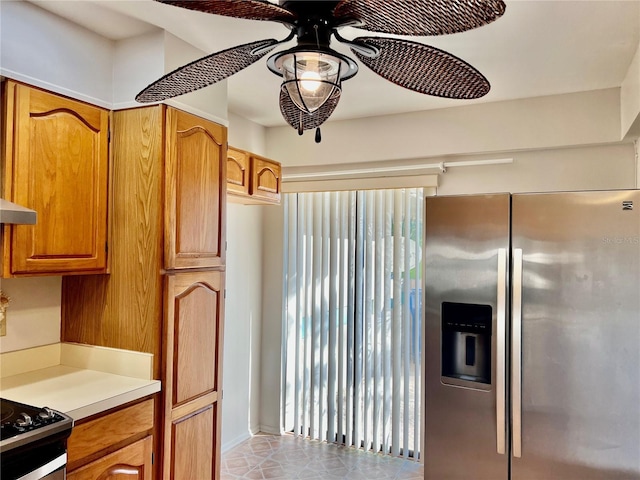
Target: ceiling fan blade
[[298, 118], [424, 69], [205, 71], [249, 9], [420, 17]]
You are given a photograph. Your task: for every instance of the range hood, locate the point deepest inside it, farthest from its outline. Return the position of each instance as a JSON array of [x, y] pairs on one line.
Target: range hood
[[12, 213]]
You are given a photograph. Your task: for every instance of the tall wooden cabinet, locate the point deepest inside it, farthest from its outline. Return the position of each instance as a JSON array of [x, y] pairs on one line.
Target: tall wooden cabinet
[[55, 161], [117, 445], [195, 310], [165, 294]]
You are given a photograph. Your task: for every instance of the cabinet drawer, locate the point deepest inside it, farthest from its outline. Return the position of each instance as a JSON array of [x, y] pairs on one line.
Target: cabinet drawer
[[97, 435], [131, 462]]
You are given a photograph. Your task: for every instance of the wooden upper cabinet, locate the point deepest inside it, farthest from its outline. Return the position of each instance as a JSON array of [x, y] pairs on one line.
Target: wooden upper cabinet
[[252, 179], [265, 179], [237, 171], [195, 193], [56, 163]]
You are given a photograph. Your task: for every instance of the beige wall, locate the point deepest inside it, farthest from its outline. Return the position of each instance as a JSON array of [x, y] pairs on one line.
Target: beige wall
[[630, 99], [578, 119], [636, 144], [585, 168], [243, 315], [33, 315]]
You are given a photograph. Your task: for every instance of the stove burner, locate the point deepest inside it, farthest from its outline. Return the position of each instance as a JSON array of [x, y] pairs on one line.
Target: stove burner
[[6, 412]]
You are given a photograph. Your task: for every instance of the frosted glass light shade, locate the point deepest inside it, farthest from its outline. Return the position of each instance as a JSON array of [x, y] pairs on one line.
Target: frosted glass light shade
[[310, 78]]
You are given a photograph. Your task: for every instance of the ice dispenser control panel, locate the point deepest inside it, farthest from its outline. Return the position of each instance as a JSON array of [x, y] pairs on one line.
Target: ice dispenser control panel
[[466, 342]]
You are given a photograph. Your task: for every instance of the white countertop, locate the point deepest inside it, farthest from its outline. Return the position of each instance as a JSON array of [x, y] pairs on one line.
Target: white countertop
[[76, 384]]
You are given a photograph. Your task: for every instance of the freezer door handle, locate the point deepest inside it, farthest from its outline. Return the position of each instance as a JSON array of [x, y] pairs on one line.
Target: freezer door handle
[[501, 353], [516, 361]]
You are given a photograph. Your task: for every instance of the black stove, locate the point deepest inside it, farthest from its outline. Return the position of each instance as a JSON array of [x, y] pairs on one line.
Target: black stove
[[32, 436]]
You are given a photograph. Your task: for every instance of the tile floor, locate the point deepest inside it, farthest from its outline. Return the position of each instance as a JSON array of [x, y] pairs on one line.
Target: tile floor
[[288, 457]]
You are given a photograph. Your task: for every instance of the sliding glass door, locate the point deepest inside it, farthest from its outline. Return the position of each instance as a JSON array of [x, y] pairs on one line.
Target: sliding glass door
[[353, 318]]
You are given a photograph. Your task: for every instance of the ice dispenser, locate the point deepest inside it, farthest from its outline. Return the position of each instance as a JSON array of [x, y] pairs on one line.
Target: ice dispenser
[[466, 342]]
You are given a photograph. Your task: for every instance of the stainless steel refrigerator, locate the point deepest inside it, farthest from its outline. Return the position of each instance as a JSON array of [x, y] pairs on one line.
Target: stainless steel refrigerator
[[532, 336]]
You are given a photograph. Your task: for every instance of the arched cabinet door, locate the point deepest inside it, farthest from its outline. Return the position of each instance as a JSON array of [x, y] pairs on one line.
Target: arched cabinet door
[[133, 462], [252, 179], [56, 163], [265, 179], [194, 312], [237, 172], [195, 191]]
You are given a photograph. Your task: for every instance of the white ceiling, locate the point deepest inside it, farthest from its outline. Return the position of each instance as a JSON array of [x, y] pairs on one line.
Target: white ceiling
[[539, 47]]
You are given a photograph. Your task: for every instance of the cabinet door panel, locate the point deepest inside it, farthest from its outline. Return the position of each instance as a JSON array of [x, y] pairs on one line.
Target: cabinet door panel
[[59, 168], [193, 329], [193, 439], [196, 191], [133, 462], [265, 179], [237, 172]]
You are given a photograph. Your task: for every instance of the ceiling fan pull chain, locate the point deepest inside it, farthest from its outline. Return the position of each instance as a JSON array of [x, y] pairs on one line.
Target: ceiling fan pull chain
[[300, 126], [318, 135]]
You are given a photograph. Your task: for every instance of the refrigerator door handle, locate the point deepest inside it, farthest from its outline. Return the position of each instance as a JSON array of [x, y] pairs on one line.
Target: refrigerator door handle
[[500, 351], [516, 361]]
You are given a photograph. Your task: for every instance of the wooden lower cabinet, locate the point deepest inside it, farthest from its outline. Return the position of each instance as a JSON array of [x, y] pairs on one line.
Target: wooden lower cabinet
[[192, 389], [193, 440], [117, 445], [133, 462]]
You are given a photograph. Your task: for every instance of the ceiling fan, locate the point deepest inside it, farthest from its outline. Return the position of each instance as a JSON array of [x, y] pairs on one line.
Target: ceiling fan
[[313, 73]]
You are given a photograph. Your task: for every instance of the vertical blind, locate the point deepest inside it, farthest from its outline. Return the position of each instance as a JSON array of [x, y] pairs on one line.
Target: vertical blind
[[353, 318]]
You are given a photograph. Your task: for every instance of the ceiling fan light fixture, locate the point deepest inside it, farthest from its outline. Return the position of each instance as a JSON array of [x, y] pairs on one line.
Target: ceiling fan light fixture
[[310, 78], [311, 75]]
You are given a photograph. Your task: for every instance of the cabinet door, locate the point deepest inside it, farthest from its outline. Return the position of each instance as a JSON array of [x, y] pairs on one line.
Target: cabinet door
[[193, 335], [193, 357], [56, 164], [265, 179], [133, 462], [195, 191], [194, 455], [237, 172]]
